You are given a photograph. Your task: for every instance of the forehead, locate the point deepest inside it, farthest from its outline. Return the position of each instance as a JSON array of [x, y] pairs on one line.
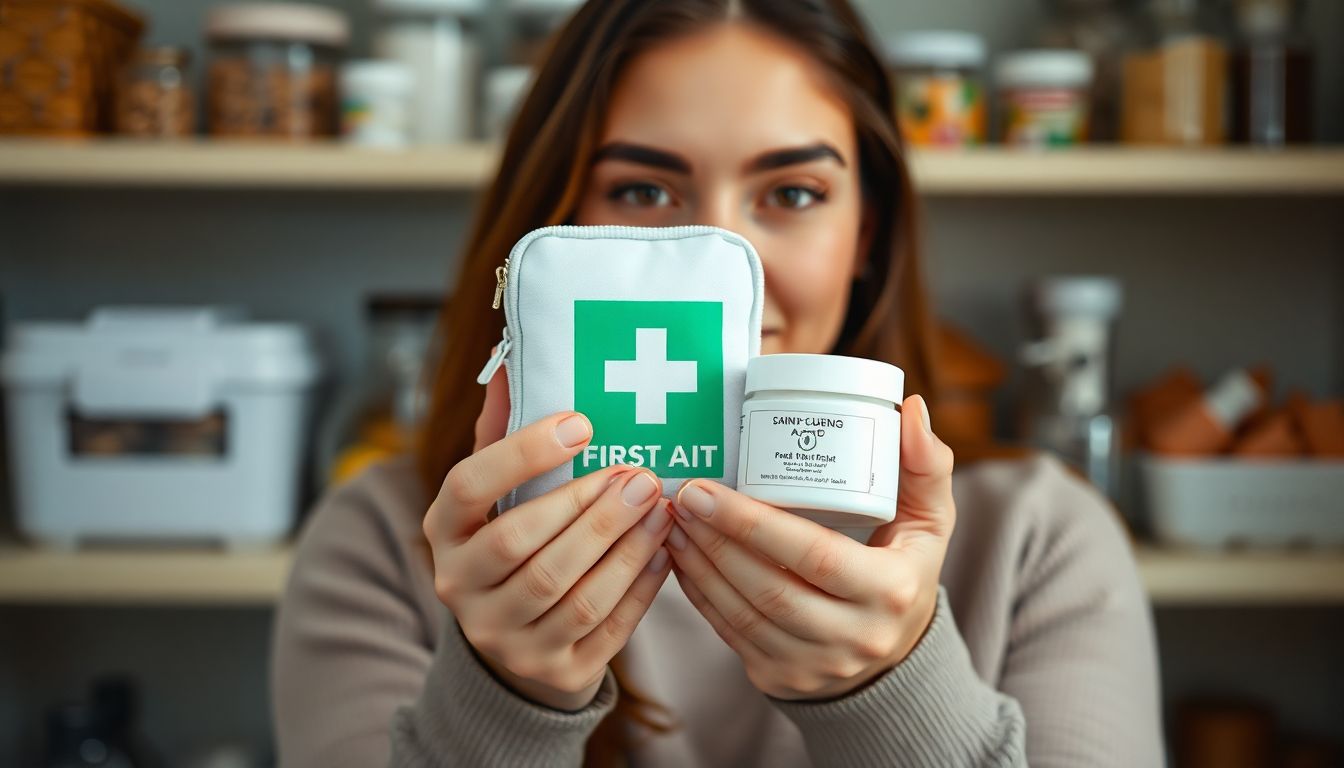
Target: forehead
[[726, 94]]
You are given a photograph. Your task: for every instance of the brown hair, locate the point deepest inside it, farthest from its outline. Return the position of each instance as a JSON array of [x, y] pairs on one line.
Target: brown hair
[[541, 176]]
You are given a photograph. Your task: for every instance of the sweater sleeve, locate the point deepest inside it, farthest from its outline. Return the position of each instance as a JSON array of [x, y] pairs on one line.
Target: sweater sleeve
[[930, 710], [357, 678]]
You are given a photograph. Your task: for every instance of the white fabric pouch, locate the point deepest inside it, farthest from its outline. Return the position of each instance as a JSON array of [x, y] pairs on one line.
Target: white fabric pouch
[[647, 332]]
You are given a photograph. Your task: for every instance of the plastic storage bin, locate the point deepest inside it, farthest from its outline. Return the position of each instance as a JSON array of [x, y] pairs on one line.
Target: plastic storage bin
[[1216, 503], [152, 424]]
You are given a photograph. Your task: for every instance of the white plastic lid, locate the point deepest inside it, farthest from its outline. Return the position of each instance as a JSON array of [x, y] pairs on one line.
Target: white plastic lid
[[826, 373], [125, 346], [431, 7], [1048, 68], [1092, 296], [278, 21], [936, 49], [377, 74]]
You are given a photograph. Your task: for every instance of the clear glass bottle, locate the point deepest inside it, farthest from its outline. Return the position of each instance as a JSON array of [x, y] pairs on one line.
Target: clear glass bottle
[[1272, 74], [154, 94]]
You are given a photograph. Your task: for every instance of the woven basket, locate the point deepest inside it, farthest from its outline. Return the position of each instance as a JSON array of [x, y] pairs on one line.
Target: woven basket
[[59, 61]]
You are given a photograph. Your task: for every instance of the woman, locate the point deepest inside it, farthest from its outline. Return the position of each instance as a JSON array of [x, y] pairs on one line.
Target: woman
[[416, 631]]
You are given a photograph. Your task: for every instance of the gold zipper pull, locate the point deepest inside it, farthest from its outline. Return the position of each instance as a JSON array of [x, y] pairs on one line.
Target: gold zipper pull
[[501, 281]]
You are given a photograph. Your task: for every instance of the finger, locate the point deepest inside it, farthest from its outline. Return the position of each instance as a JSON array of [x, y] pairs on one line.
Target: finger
[[924, 502], [548, 575], [744, 648], [505, 543], [828, 560], [740, 614], [475, 483], [598, 592], [611, 635], [493, 421], [781, 596]]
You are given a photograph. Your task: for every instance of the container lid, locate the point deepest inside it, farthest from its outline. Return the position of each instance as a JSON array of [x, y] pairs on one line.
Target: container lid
[[1091, 296], [826, 373], [1059, 68], [936, 48], [378, 74], [158, 360], [278, 21], [432, 7]]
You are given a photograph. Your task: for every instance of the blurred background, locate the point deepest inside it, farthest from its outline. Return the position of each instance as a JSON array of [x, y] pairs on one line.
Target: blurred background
[[225, 231]]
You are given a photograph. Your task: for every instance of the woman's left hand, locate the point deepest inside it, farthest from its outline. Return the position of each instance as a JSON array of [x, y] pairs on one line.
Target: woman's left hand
[[813, 613]]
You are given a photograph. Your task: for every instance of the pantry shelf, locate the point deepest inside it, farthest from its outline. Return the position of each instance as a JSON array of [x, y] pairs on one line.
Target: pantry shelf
[[30, 575], [1093, 171], [183, 577]]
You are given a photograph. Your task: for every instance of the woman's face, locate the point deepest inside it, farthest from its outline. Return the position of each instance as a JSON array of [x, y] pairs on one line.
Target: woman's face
[[736, 128]]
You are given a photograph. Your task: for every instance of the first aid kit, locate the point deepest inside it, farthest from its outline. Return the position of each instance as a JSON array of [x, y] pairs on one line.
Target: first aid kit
[[158, 424], [647, 332]]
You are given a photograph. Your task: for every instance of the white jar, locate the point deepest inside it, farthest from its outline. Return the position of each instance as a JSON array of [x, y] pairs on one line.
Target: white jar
[[433, 38], [821, 437], [1044, 97], [505, 88], [376, 103]]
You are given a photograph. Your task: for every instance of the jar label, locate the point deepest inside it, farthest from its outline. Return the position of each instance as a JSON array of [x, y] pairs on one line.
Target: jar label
[[810, 449]]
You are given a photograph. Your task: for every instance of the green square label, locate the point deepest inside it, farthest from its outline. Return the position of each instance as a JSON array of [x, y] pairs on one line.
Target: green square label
[[649, 375]]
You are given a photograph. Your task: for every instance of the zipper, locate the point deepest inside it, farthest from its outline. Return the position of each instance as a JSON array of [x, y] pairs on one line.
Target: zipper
[[501, 282], [497, 359]]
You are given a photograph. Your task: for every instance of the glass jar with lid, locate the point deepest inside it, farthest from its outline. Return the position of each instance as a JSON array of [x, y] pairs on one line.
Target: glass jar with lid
[[154, 95], [1174, 84], [940, 95], [435, 39], [273, 69]]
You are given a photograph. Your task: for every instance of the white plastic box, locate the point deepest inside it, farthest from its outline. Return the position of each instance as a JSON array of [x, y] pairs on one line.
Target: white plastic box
[[152, 424], [1213, 503]]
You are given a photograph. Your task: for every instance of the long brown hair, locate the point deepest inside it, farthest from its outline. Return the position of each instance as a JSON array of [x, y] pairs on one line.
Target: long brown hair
[[541, 175]]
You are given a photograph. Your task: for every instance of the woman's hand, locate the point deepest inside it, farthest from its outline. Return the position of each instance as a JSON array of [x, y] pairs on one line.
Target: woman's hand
[[813, 613], [548, 592]]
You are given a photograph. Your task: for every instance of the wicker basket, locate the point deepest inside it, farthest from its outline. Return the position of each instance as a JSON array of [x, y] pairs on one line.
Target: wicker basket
[[58, 64]]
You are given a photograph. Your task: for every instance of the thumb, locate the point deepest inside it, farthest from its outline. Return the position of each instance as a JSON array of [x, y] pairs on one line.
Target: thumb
[[493, 421], [924, 504]]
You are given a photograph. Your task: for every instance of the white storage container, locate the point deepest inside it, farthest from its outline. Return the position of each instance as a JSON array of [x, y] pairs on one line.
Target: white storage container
[[182, 424], [1224, 502]]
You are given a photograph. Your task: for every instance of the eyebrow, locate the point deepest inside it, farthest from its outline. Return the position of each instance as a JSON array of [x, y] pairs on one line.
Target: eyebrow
[[669, 161]]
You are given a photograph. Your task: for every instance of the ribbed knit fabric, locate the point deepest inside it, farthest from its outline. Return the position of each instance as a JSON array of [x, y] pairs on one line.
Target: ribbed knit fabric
[[1041, 652]]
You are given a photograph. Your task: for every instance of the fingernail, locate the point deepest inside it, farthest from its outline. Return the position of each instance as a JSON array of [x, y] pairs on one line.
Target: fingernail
[[676, 538], [572, 431], [696, 499], [638, 489], [653, 522], [928, 428], [659, 560]]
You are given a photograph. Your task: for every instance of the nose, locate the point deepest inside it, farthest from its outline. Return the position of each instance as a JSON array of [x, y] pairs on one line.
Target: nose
[[721, 208]]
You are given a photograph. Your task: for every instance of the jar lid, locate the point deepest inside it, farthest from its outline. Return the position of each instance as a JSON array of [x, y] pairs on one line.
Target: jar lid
[[432, 7], [278, 21], [1088, 296], [1060, 68], [826, 373], [378, 73], [936, 48]]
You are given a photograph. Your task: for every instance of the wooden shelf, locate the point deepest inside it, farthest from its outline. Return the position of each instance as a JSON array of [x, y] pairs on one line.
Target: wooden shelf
[[989, 171], [184, 577], [30, 575]]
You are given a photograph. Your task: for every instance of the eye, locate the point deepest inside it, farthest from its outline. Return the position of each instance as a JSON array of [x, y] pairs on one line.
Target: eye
[[641, 195], [795, 197]]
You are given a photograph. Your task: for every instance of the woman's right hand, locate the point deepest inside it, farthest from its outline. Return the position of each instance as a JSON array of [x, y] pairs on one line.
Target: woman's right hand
[[548, 592]]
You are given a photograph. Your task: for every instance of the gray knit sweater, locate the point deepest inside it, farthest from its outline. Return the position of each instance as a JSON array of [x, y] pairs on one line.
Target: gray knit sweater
[[1041, 651]]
